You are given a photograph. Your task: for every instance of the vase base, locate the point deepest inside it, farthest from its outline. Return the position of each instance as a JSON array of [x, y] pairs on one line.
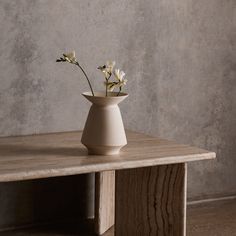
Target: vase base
[[104, 150]]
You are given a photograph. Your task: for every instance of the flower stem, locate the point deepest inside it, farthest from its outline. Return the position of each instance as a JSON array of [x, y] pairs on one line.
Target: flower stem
[[107, 80], [77, 63], [106, 86], [119, 92]]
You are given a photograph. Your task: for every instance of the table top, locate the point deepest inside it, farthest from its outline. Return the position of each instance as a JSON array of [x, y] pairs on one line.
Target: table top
[[61, 154]]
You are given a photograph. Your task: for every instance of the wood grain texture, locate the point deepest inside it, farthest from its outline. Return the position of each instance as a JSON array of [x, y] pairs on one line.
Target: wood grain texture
[[151, 201], [61, 154], [104, 201]]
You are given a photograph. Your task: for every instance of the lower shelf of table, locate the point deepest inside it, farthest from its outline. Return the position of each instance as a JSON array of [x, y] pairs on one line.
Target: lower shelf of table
[[67, 229]]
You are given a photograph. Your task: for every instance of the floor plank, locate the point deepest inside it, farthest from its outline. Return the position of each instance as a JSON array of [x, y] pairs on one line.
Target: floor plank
[[212, 219]]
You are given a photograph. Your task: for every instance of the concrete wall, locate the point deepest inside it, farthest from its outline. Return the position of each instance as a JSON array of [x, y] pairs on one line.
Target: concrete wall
[[179, 57]]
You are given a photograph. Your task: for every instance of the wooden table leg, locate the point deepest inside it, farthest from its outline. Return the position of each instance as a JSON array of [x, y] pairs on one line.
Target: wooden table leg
[[104, 201], [151, 201]]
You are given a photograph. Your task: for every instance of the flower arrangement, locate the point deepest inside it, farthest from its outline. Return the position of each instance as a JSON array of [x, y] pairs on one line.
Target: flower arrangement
[[107, 70]]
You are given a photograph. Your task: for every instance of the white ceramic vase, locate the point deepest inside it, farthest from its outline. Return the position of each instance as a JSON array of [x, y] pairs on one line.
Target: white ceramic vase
[[104, 132]]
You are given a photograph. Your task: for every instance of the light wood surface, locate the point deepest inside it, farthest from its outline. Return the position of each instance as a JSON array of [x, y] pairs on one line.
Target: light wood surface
[[61, 154], [151, 201], [104, 201]]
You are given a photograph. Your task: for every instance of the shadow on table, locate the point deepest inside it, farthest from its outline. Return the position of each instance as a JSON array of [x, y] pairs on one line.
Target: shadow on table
[[24, 150]]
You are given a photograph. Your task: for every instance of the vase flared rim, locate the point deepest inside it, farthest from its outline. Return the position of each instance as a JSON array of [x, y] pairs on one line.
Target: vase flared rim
[[100, 98], [103, 94]]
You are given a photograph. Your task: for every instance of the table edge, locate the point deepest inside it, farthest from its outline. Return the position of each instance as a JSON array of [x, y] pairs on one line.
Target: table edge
[[76, 170]]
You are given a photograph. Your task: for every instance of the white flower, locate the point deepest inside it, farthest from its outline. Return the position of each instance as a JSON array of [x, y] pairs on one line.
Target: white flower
[[110, 85], [109, 66], [70, 57], [107, 69], [119, 75]]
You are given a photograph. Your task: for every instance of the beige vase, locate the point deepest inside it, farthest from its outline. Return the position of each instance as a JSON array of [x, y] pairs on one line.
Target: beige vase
[[104, 132]]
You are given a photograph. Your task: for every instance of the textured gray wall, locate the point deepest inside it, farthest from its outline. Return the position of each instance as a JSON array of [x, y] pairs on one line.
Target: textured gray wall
[[180, 60]]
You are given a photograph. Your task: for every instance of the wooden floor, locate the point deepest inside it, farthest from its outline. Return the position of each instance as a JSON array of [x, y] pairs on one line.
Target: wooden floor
[[212, 219], [208, 219]]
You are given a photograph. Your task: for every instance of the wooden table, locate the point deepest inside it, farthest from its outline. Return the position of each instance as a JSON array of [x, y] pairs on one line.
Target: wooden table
[[145, 185]]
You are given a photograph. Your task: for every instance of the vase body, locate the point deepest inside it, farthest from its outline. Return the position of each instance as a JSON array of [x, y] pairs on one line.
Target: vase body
[[104, 132]]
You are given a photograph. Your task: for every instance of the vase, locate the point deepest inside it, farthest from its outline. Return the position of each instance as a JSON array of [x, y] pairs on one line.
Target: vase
[[104, 132]]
